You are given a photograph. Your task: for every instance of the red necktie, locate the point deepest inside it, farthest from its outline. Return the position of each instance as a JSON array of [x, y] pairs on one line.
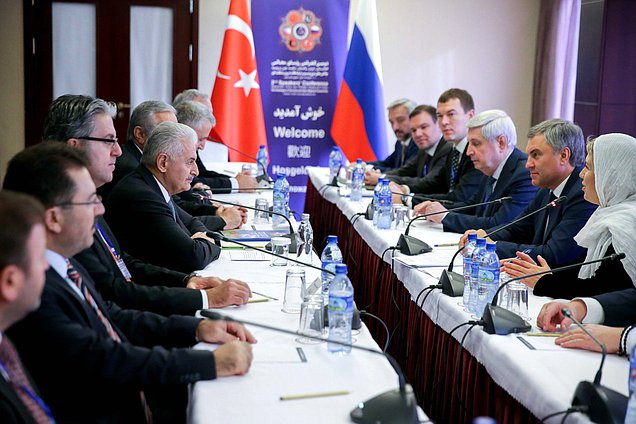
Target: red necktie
[[76, 278], [10, 361]]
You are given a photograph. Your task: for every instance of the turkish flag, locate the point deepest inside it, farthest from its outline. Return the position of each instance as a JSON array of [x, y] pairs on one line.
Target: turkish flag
[[236, 97]]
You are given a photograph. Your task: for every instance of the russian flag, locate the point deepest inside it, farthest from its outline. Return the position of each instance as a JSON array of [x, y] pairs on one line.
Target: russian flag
[[358, 125]]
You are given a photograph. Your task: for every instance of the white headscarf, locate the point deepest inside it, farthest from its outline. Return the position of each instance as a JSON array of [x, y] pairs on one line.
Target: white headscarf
[[614, 221]]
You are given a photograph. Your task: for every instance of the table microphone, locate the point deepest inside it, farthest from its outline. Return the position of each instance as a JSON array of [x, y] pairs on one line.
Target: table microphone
[[409, 245], [602, 404], [498, 320], [293, 247], [264, 177], [453, 283], [394, 406]]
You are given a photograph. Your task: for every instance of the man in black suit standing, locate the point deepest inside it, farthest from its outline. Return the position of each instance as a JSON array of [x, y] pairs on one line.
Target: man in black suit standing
[[459, 180], [86, 124], [141, 204], [22, 267], [492, 140], [109, 358], [431, 155], [405, 149], [556, 153]]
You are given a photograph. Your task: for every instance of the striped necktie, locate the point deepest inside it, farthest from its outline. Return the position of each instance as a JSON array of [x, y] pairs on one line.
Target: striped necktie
[[454, 167], [76, 278], [12, 366]]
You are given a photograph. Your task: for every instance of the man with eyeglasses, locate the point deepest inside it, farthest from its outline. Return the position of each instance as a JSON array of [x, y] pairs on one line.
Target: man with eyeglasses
[[86, 123], [114, 363]]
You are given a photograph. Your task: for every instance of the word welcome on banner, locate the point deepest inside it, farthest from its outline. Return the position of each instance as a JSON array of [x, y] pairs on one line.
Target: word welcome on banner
[[300, 53]]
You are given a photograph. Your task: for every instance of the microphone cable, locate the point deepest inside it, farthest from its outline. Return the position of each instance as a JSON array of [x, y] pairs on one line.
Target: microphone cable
[[458, 367], [380, 272], [386, 329], [567, 412]]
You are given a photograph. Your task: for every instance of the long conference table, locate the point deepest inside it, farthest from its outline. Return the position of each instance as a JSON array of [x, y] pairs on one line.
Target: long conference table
[[510, 379], [513, 378], [279, 369]]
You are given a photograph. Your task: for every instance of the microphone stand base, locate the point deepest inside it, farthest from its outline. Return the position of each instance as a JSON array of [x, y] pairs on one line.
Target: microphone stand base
[[603, 405], [452, 283], [411, 246], [392, 407], [498, 320]]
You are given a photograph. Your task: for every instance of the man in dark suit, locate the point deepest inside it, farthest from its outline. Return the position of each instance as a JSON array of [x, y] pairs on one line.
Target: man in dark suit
[[86, 124], [492, 138], [108, 358], [144, 118], [459, 180], [141, 204], [405, 149], [556, 152], [431, 155], [22, 267]]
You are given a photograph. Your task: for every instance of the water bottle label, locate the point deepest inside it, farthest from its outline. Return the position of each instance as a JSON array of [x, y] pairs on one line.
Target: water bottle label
[[340, 304], [486, 276]]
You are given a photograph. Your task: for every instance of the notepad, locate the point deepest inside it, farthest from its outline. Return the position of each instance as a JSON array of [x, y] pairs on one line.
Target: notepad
[[248, 255]]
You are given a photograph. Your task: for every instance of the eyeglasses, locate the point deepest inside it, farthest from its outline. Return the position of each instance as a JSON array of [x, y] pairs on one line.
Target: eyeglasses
[[94, 202], [103, 140]]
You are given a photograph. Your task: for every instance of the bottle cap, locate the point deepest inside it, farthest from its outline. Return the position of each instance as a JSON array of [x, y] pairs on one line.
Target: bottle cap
[[332, 239], [341, 268]]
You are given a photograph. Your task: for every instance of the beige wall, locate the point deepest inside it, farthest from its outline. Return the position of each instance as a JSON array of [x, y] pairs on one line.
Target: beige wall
[[11, 82], [486, 47], [427, 46]]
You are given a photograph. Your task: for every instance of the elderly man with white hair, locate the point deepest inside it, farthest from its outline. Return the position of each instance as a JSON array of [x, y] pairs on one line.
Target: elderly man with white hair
[[492, 140]]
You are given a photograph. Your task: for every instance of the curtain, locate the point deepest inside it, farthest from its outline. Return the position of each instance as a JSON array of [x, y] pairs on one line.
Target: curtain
[[556, 60]]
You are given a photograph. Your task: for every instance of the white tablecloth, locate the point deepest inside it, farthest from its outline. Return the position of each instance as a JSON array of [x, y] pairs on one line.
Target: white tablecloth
[[543, 380]]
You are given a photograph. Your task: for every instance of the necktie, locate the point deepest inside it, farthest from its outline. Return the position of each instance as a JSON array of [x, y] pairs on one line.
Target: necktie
[[454, 168], [172, 209], [427, 164], [76, 278], [490, 186], [11, 364], [549, 215], [402, 155]]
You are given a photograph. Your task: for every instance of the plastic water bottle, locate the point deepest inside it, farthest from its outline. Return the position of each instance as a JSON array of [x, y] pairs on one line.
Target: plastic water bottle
[[357, 181], [335, 163], [385, 206], [280, 200], [340, 311], [306, 236], [376, 201], [630, 416], [480, 249], [488, 277], [263, 159], [467, 253], [330, 256]]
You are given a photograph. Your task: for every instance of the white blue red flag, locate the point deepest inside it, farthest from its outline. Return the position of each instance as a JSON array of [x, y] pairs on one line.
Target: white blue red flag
[[358, 126]]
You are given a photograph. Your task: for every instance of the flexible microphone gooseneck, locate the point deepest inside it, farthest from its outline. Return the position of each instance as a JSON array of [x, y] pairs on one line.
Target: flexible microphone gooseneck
[[453, 283], [410, 245], [498, 320], [264, 177], [602, 404], [293, 247], [220, 237], [394, 406]]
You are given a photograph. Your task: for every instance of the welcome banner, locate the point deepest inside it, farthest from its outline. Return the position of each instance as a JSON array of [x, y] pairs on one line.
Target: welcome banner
[[301, 50]]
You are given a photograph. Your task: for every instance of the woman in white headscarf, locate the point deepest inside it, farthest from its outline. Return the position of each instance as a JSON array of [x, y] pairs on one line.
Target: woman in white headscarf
[[608, 181]]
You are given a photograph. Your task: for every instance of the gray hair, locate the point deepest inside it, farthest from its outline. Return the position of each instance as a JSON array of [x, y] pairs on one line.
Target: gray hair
[[494, 123], [168, 137], [189, 96], [193, 114], [73, 116], [143, 116], [407, 103], [560, 134]]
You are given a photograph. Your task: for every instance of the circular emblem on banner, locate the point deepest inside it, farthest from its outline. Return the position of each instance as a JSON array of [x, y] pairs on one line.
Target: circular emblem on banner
[[300, 30]]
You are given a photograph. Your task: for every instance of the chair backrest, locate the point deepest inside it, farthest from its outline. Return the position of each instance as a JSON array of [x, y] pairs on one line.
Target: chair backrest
[[214, 152]]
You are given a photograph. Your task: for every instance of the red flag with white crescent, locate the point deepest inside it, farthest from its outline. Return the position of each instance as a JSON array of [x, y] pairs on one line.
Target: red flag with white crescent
[[236, 97]]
